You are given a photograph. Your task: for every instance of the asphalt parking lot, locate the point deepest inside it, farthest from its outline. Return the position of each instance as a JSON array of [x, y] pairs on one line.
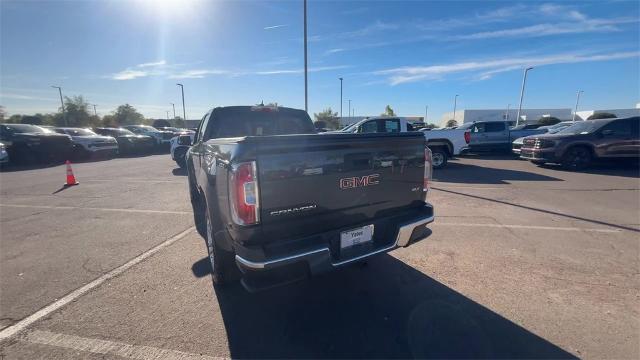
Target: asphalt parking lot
[[522, 261]]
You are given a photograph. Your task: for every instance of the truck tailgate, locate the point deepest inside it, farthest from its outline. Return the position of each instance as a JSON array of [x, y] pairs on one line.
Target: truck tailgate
[[313, 183]]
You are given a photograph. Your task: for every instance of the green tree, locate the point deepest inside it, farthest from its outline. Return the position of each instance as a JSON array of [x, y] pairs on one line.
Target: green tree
[[430, 126], [127, 115], [548, 120], [603, 115], [329, 117], [77, 112], [14, 119], [388, 111], [110, 121], [3, 113], [452, 123], [178, 122]]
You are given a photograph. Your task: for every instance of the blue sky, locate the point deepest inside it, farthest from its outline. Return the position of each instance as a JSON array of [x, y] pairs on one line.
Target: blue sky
[[406, 54]]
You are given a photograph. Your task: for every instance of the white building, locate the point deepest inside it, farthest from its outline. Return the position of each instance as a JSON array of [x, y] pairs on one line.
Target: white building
[[621, 113], [526, 115], [344, 121]]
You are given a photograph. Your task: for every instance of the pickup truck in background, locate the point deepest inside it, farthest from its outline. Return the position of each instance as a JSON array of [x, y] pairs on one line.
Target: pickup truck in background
[[443, 144], [280, 202], [494, 136]]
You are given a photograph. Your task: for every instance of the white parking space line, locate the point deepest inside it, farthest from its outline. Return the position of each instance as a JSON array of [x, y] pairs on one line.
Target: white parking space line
[[24, 323], [106, 347], [97, 209], [529, 227], [146, 181]]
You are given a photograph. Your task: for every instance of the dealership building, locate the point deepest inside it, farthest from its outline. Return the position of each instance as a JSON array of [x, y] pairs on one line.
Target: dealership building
[[526, 115]]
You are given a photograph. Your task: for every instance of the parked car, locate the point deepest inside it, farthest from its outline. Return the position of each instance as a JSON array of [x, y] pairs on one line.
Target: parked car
[[576, 146], [128, 142], [179, 147], [162, 138], [4, 155], [551, 129], [490, 136], [280, 202], [443, 144], [87, 143], [29, 143]]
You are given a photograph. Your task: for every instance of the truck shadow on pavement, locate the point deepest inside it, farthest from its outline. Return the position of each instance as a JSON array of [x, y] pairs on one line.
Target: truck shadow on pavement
[[456, 172], [384, 309]]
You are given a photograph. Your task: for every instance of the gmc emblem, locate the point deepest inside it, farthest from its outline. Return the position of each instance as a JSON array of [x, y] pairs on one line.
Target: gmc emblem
[[359, 181]]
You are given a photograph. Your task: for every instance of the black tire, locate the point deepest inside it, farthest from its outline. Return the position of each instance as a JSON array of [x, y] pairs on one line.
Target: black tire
[[439, 157], [577, 158], [181, 161], [198, 206], [223, 267]]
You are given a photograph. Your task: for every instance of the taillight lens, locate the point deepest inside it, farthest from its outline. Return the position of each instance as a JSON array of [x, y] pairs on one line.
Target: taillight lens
[[467, 136], [243, 191], [428, 170]]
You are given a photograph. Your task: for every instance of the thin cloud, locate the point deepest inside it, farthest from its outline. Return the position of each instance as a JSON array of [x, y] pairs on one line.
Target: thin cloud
[[129, 74], [275, 27], [197, 74], [152, 64], [539, 30], [14, 96], [300, 71], [490, 67], [333, 51]]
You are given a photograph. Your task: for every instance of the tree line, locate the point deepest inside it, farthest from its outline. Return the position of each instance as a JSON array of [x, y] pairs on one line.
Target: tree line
[[78, 114]]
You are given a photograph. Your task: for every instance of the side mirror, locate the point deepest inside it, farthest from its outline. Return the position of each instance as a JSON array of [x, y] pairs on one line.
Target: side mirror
[[184, 140], [607, 132]]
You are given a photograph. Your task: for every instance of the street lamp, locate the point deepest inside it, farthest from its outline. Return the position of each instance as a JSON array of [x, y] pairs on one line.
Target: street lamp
[[506, 117], [524, 81], [577, 100], [174, 109], [455, 104], [349, 107], [306, 98], [340, 97], [184, 112], [95, 112], [426, 113], [167, 115], [64, 115]]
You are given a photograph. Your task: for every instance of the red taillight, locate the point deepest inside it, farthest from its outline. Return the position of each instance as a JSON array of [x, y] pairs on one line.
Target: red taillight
[[243, 191], [467, 136], [427, 171]]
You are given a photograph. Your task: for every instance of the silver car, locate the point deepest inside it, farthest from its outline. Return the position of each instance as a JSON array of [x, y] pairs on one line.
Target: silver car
[[87, 143]]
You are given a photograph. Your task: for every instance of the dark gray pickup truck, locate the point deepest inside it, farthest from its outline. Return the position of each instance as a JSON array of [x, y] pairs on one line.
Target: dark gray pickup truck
[[279, 202]]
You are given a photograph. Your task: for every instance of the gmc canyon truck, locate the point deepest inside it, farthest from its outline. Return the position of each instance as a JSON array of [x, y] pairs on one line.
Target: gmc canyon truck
[[279, 202]]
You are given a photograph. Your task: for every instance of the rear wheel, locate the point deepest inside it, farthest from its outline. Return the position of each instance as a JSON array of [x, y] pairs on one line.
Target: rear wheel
[[223, 268], [577, 158], [439, 157]]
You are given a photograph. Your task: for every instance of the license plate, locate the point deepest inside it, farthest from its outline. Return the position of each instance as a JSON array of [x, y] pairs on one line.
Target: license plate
[[356, 236]]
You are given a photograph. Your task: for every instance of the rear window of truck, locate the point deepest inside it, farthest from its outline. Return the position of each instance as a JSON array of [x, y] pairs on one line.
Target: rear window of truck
[[253, 123]]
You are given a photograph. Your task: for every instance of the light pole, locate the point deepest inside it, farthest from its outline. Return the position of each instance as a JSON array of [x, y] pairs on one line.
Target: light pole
[[577, 100], [306, 98], [184, 112], [455, 104], [340, 98], [174, 109], [95, 112], [167, 115], [349, 107], [64, 115], [524, 81], [426, 113]]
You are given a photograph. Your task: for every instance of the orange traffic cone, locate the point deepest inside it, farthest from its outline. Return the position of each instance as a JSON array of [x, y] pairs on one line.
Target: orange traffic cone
[[71, 180]]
